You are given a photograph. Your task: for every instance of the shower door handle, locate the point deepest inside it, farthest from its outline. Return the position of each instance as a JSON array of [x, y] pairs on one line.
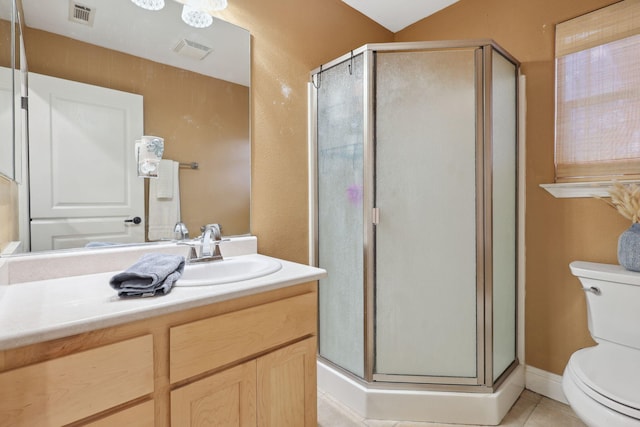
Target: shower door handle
[[375, 216]]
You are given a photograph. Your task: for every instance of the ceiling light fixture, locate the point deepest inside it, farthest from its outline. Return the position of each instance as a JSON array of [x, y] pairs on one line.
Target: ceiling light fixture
[[196, 17], [149, 4], [196, 13]]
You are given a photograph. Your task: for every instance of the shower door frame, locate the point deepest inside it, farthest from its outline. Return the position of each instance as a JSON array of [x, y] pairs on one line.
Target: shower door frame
[[484, 50]]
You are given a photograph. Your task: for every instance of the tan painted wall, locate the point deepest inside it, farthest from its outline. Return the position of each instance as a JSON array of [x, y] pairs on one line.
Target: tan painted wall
[[5, 42], [202, 119], [290, 38], [8, 212], [558, 231]]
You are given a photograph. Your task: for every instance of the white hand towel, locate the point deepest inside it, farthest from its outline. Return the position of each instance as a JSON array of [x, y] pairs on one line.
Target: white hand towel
[[164, 182], [164, 213]]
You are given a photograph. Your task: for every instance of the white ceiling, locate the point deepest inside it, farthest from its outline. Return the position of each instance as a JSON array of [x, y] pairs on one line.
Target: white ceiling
[[395, 15], [120, 25]]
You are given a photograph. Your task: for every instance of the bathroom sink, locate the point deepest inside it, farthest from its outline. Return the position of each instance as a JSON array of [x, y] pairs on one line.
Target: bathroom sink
[[227, 270]]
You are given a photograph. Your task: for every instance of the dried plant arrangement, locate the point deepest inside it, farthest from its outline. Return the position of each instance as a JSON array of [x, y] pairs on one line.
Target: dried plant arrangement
[[625, 198]]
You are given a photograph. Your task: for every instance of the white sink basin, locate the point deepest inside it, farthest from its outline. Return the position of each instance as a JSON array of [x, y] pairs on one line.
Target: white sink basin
[[227, 270]]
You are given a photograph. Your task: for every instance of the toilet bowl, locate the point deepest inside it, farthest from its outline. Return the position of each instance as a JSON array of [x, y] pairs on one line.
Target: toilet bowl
[[602, 383]]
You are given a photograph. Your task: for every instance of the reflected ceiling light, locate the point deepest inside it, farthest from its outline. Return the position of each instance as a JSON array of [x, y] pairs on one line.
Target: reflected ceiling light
[[196, 17], [197, 13], [216, 4], [149, 4], [206, 5]]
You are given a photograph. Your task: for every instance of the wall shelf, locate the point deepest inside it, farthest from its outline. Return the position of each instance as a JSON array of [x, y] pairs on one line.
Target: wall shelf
[[566, 190]]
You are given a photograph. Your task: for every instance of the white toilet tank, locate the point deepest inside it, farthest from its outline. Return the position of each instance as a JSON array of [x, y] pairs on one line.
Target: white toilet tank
[[613, 301]]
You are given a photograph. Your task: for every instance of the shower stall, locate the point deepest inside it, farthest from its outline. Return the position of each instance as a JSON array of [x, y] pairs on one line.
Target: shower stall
[[414, 190]]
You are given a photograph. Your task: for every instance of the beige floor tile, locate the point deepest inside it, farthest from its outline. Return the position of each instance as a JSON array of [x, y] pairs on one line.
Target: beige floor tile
[[530, 395], [551, 413], [379, 423], [332, 414], [521, 410]]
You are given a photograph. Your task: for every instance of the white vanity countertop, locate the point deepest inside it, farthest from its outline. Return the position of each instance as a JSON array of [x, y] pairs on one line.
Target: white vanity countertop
[[37, 311]]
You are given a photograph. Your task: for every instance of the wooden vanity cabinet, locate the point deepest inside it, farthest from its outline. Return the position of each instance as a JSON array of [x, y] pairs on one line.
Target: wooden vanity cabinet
[[69, 388], [276, 388], [249, 361], [287, 386], [140, 415], [223, 399]]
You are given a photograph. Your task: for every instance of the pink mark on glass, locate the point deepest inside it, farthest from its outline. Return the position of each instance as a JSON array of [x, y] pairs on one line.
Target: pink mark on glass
[[354, 194]]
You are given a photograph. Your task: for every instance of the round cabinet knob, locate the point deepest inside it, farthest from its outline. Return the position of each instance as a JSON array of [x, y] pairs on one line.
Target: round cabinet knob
[[136, 220]]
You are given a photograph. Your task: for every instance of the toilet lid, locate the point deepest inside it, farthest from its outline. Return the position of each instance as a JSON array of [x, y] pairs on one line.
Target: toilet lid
[[610, 374]]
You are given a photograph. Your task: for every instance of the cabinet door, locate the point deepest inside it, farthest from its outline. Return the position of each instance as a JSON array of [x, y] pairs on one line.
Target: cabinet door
[[287, 386], [226, 399], [141, 415]]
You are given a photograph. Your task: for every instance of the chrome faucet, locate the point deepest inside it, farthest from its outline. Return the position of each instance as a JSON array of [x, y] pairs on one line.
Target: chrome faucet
[[209, 243], [211, 231]]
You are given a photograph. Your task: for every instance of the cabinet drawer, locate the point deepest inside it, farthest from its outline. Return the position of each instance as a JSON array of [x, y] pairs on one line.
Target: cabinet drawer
[[73, 387], [210, 343]]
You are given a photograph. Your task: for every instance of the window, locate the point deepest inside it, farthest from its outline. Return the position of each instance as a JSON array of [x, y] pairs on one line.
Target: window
[[598, 95]]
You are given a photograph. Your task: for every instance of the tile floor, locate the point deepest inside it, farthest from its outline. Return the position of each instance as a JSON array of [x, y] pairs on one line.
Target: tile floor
[[530, 410]]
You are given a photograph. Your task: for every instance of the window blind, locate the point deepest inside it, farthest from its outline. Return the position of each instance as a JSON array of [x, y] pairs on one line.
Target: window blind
[[598, 95]]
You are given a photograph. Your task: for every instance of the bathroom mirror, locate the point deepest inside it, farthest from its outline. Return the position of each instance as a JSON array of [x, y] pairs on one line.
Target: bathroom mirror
[[190, 79], [9, 86]]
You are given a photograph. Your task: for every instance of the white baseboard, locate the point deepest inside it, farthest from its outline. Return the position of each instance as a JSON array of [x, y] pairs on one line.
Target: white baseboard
[[544, 383]]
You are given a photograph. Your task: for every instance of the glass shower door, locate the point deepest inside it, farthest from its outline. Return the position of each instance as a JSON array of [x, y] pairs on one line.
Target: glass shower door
[[426, 266], [504, 208], [340, 139]]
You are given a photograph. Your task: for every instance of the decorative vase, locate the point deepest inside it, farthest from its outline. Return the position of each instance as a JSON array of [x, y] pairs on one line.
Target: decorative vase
[[629, 248]]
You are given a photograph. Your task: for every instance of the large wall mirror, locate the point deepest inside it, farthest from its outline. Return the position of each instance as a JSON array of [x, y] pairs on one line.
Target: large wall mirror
[[9, 86], [194, 87]]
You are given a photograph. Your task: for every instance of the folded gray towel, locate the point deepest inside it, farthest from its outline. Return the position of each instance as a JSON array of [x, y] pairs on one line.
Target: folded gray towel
[[152, 273]]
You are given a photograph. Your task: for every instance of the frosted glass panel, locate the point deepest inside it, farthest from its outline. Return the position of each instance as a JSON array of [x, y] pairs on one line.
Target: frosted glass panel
[[425, 190], [504, 213], [340, 215], [6, 122]]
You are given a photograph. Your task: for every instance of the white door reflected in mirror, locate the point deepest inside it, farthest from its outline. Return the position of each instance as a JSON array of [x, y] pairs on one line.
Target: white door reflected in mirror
[[84, 182]]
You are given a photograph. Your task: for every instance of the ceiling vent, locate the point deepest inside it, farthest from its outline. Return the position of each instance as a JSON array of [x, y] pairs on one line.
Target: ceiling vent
[[81, 14], [192, 49]]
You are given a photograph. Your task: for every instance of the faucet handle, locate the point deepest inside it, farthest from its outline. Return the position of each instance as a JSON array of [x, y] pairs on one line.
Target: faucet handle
[[180, 231], [210, 226]]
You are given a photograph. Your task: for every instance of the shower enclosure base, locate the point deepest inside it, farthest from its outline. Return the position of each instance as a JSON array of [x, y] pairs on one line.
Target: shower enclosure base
[[419, 405]]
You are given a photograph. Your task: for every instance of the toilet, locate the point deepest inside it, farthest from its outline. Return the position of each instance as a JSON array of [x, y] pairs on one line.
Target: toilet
[[602, 383]]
